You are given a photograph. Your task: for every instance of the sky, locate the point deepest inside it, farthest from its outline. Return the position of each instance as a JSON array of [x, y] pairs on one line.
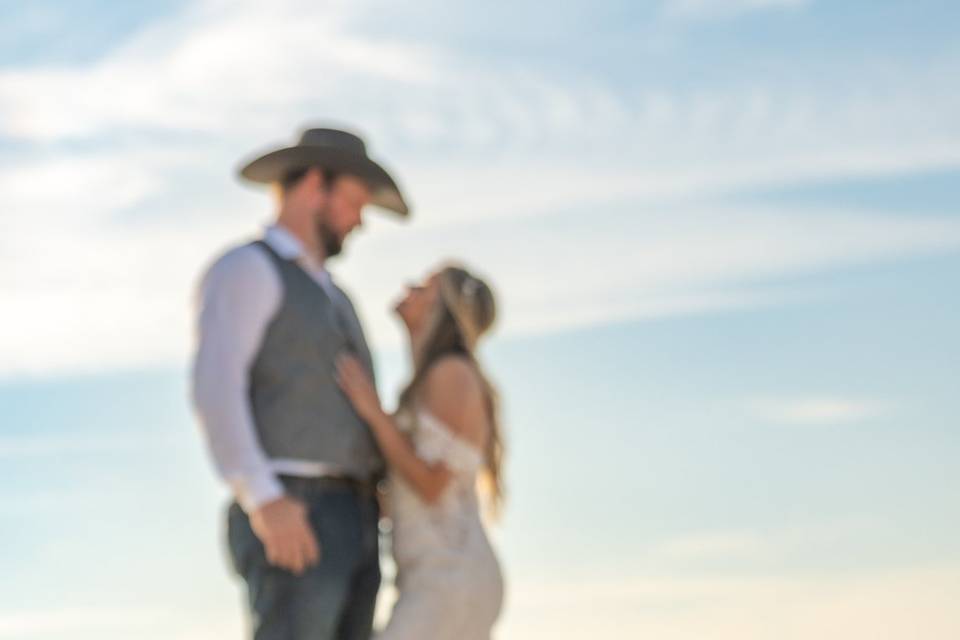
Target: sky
[[725, 238]]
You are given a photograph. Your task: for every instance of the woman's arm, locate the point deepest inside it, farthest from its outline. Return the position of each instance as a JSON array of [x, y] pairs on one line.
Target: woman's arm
[[428, 480]]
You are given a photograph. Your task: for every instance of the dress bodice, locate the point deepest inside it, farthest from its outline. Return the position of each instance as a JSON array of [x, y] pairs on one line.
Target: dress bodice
[[445, 522]]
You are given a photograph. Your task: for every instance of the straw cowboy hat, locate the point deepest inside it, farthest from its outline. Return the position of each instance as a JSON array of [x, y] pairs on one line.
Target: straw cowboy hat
[[333, 149]]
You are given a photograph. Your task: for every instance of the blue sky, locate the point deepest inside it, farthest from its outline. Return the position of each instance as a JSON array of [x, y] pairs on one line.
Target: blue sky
[[725, 235]]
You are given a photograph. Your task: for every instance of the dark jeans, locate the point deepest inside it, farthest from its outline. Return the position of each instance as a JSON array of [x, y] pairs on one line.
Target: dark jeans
[[334, 599]]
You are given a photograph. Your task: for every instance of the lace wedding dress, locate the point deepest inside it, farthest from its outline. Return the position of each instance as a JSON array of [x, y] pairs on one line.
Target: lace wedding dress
[[449, 580]]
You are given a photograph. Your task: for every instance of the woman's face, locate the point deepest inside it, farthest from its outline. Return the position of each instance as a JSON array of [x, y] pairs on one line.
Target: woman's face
[[415, 307]]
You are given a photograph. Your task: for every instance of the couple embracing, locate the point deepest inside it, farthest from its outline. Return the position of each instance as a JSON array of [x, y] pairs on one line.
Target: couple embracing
[[284, 388]]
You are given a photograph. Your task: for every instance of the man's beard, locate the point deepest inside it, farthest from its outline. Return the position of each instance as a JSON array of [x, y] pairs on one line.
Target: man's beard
[[329, 239]]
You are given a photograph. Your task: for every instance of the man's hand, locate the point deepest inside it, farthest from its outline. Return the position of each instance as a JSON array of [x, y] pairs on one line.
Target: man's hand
[[283, 529]]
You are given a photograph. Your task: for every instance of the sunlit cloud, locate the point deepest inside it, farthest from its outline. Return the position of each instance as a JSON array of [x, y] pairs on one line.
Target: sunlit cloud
[[747, 546], [118, 620], [212, 60], [701, 9], [124, 190], [714, 544], [34, 445], [818, 409], [120, 297], [913, 602], [864, 605]]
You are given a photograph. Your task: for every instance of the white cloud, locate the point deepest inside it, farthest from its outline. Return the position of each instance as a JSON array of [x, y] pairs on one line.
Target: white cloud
[[122, 621], [30, 444], [626, 264], [699, 9], [859, 605], [98, 260], [128, 621], [817, 409], [100, 299], [712, 544], [56, 187], [909, 603], [215, 67], [750, 545]]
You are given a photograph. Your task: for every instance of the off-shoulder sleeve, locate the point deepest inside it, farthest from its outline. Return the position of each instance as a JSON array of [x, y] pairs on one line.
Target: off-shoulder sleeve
[[436, 442]]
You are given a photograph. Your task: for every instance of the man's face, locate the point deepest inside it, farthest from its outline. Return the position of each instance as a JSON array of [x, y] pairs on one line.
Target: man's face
[[340, 211]]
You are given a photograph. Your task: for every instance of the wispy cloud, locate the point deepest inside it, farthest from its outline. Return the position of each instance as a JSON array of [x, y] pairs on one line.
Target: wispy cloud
[[124, 190], [121, 620], [213, 59], [30, 445], [818, 409], [634, 263], [701, 9], [713, 544], [912, 602], [909, 602], [746, 546], [127, 290]]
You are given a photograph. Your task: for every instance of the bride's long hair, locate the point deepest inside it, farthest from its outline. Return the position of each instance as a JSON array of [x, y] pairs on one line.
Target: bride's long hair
[[465, 310]]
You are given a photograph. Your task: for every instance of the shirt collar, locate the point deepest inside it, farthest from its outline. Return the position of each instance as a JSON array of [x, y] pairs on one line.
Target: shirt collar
[[289, 247], [283, 242]]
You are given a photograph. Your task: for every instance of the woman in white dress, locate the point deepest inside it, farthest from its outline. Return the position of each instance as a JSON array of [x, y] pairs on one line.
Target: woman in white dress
[[443, 441]]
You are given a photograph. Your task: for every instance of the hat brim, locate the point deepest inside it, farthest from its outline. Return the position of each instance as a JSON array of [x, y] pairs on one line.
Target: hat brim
[[273, 166]]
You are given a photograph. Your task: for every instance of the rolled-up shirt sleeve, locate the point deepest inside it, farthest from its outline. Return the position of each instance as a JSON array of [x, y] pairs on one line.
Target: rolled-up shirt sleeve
[[234, 304]]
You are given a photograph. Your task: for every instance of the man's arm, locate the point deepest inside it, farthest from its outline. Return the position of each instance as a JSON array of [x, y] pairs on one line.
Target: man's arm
[[237, 299]]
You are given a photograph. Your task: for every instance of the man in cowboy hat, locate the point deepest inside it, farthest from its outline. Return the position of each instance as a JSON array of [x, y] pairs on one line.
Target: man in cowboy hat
[[302, 465]]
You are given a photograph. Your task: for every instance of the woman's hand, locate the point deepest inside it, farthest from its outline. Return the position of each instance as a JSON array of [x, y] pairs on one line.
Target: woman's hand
[[356, 384], [429, 480]]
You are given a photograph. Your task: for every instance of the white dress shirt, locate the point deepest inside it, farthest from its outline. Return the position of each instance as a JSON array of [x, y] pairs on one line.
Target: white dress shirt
[[237, 298]]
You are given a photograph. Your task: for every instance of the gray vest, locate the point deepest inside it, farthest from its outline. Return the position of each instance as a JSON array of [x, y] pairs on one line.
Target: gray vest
[[298, 408]]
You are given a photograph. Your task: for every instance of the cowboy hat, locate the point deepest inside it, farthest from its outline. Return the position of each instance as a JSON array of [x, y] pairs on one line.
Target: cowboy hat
[[333, 149]]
